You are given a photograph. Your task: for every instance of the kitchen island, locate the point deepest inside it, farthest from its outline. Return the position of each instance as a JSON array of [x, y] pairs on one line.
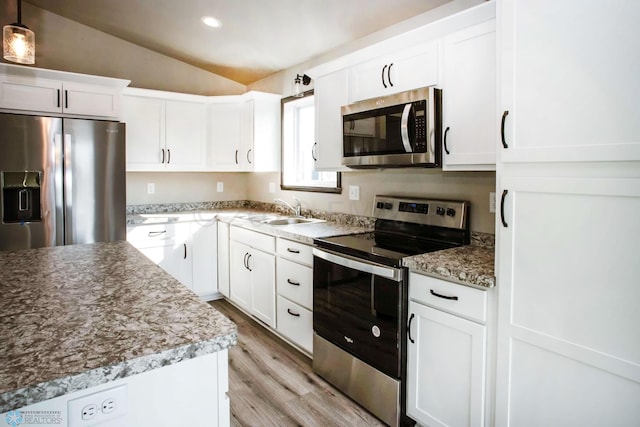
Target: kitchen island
[[79, 319]]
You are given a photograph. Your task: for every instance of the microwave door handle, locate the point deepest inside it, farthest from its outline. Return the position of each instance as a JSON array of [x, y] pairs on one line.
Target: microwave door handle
[[404, 128]]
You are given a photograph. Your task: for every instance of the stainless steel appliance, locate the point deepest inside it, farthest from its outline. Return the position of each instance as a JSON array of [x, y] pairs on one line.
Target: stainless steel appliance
[[400, 130], [360, 296], [62, 181]]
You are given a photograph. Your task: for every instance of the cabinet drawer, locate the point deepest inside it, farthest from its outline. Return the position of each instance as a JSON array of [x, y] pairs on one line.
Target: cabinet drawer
[[256, 240], [295, 251], [145, 236], [295, 282], [470, 302], [296, 323]]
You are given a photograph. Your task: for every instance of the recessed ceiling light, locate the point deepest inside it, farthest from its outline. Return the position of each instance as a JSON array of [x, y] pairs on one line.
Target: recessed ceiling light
[[211, 21]]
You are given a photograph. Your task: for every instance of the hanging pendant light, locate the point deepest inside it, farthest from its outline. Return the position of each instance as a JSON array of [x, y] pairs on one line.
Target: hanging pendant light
[[19, 42]]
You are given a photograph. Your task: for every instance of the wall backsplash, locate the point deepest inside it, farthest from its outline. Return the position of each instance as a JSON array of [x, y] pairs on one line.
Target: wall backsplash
[[184, 187], [472, 186]]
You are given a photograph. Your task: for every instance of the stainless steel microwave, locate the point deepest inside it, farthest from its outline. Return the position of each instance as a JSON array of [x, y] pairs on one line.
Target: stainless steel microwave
[[400, 130]]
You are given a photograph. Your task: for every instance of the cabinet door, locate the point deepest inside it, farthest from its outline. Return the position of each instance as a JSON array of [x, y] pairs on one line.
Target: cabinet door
[[330, 93], [246, 155], [240, 275], [174, 259], [204, 238], [225, 120], [469, 98], [568, 302], [445, 369], [296, 323], [263, 286], [223, 258], [186, 135], [145, 120], [91, 100], [569, 81], [410, 68], [31, 94]]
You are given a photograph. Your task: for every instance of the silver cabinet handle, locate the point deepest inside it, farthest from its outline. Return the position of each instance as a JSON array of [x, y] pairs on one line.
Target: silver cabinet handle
[[156, 233]]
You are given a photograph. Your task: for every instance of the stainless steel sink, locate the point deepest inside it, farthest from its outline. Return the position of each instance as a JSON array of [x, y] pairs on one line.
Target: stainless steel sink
[[289, 221]]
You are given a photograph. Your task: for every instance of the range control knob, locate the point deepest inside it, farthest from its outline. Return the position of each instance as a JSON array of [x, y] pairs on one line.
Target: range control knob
[[388, 205], [379, 205], [451, 212], [439, 211]]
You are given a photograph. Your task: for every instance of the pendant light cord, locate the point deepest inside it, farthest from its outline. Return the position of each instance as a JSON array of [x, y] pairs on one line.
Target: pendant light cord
[[19, 11]]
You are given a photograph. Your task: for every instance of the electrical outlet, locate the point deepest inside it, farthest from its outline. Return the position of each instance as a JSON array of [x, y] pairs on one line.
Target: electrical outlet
[[354, 192], [220, 187], [98, 407], [272, 187], [151, 188], [492, 202]]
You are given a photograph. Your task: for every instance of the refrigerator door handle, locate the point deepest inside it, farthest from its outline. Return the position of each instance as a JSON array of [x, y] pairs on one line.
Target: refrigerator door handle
[[58, 175], [68, 189]]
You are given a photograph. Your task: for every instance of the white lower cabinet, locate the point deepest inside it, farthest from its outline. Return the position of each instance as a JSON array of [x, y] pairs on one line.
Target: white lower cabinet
[[446, 355], [223, 258], [252, 273], [186, 250], [295, 292]]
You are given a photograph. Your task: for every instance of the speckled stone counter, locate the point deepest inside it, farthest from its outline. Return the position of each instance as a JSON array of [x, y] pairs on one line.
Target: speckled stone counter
[[471, 265], [78, 316]]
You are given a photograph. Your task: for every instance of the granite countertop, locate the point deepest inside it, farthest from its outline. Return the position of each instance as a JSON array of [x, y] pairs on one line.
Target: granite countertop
[[468, 265], [471, 265], [74, 317]]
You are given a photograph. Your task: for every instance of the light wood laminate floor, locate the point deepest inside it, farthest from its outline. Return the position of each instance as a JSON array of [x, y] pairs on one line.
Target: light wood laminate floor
[[272, 384]]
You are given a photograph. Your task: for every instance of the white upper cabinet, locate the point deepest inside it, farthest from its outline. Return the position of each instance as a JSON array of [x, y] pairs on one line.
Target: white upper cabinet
[[407, 69], [330, 93], [469, 98], [48, 91], [186, 135], [569, 80], [165, 133], [245, 132], [225, 133]]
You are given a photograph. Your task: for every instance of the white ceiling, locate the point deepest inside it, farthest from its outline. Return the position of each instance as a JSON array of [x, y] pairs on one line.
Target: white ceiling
[[257, 37]]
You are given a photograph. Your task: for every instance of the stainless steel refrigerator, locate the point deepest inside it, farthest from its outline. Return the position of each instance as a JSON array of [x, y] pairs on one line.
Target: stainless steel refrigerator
[[62, 181]]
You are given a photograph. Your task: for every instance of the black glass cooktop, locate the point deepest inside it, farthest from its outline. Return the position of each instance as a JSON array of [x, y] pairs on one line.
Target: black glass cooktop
[[384, 248]]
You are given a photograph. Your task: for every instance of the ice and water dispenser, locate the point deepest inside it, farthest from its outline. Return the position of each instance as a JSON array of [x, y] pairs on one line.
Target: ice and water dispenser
[[21, 196]]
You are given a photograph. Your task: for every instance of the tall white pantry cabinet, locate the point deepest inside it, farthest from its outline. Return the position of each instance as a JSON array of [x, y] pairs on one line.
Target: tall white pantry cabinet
[[568, 225]]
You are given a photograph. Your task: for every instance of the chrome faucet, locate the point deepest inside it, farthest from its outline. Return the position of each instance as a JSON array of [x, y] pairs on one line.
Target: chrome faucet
[[296, 210]]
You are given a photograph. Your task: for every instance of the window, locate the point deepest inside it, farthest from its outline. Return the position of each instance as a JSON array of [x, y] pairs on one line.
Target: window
[[298, 140]]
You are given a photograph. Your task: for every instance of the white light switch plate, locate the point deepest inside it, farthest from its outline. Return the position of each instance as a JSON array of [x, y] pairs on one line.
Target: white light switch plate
[[354, 192], [151, 188], [220, 187], [272, 187], [492, 202]]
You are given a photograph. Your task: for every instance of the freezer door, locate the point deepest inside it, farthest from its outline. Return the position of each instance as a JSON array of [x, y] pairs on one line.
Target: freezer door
[[94, 190], [31, 207]]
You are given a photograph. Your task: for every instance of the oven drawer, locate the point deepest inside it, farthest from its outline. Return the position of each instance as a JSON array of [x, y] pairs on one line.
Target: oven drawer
[[295, 251], [296, 323], [295, 282], [470, 303]]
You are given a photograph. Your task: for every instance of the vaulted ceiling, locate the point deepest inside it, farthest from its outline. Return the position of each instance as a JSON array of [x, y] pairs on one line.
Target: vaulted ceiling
[[257, 37]]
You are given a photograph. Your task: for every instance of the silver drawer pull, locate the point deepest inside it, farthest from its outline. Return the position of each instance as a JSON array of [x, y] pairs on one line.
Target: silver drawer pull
[[292, 313], [293, 251], [442, 296], [293, 283], [156, 233]]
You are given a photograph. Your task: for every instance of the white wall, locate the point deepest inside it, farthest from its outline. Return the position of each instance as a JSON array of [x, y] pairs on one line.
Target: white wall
[[184, 187]]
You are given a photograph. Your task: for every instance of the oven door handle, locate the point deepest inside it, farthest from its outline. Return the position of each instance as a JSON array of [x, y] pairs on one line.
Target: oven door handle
[[394, 274]]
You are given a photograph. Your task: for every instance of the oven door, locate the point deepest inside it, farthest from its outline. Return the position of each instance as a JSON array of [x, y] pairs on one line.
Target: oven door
[[357, 307]]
